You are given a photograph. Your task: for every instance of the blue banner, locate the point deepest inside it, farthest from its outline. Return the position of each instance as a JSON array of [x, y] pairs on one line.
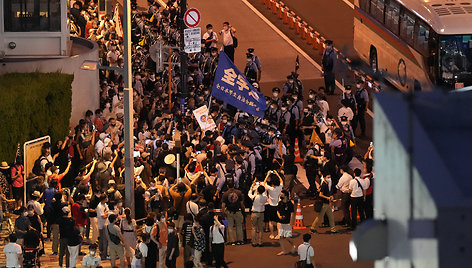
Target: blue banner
[[231, 86]]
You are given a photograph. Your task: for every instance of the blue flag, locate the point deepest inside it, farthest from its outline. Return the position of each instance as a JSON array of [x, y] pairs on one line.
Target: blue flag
[[231, 86]]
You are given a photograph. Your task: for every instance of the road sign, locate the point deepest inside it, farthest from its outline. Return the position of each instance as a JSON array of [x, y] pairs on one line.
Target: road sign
[[193, 40], [192, 17]]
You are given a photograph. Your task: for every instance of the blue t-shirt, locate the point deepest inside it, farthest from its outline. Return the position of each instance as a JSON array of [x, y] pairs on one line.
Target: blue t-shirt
[[48, 196]]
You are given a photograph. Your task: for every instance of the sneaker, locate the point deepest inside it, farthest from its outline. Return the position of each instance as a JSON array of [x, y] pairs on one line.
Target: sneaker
[[277, 237], [234, 244], [239, 243], [281, 253], [271, 236], [313, 231], [333, 231]]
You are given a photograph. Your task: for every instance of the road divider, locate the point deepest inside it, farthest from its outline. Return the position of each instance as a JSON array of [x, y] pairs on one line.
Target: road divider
[[311, 36]]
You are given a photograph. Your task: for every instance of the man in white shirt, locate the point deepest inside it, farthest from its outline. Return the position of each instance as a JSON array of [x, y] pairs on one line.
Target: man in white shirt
[[13, 253], [34, 202], [228, 45], [274, 188], [343, 186], [357, 187], [306, 251], [142, 246], [258, 208], [217, 241], [345, 111], [210, 37], [102, 218], [91, 260], [192, 206]]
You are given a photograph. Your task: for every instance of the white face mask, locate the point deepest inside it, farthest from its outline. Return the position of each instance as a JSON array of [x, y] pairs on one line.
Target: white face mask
[[210, 31], [295, 97], [170, 230], [30, 213], [25, 214], [284, 109], [312, 96], [310, 106], [92, 252], [275, 94], [359, 85]]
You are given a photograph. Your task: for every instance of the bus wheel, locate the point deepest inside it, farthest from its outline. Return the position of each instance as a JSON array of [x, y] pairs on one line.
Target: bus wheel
[[373, 60]]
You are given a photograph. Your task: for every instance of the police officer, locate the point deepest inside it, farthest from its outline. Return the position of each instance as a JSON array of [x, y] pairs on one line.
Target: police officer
[[329, 61], [251, 71], [257, 61], [362, 101], [276, 97], [348, 98], [293, 84], [273, 113], [311, 163]]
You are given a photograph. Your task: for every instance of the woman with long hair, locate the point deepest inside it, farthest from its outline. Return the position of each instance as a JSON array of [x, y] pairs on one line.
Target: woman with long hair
[[128, 229]]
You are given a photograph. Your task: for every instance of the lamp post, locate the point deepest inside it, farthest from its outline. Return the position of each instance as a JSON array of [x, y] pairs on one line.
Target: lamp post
[[128, 107], [183, 55]]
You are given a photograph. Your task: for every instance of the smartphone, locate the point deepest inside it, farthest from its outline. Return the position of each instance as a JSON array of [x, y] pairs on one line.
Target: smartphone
[[195, 160], [180, 180], [201, 173], [271, 171], [199, 152], [68, 157], [257, 183], [371, 144]]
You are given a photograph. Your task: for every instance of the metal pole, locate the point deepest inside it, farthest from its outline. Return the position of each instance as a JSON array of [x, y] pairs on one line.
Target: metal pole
[[178, 166], [183, 55], [128, 107], [170, 86]]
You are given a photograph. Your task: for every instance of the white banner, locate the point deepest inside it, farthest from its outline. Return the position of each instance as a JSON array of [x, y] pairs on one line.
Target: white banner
[[117, 20]]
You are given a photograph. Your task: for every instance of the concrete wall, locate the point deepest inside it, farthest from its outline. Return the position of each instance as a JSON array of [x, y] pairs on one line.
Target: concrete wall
[[392, 188], [85, 86]]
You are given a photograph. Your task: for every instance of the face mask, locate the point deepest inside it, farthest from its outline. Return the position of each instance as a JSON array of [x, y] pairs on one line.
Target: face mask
[[120, 204], [48, 173], [310, 106], [25, 214], [170, 230], [92, 253], [290, 81], [274, 107], [295, 97], [305, 110], [359, 85], [210, 31], [163, 219], [284, 109], [248, 60], [30, 213], [311, 96], [275, 94], [224, 121]]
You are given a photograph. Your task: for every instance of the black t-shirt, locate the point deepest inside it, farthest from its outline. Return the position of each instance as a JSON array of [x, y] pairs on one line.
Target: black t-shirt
[[232, 199], [285, 210], [325, 191], [94, 201]]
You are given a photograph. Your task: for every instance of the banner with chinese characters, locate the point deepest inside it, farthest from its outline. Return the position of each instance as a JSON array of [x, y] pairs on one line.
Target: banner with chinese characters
[[231, 86], [205, 121]]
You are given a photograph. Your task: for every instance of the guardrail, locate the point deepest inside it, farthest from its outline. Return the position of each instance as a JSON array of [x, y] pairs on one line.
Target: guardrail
[[314, 38]]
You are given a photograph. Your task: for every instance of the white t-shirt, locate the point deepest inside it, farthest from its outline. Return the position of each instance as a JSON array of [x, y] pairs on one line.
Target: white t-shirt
[[274, 194], [101, 210], [303, 249], [144, 250], [343, 183], [354, 186], [92, 261], [216, 235], [12, 251]]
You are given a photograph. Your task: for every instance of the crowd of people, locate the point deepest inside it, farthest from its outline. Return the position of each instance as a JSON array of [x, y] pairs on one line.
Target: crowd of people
[[243, 170]]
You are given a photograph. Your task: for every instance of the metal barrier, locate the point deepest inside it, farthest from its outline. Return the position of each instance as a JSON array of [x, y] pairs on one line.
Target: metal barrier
[[313, 37]]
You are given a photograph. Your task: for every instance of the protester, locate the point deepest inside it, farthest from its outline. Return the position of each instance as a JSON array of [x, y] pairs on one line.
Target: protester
[[306, 252], [91, 260], [13, 252]]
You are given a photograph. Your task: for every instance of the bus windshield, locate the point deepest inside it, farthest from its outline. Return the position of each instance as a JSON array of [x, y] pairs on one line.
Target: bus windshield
[[456, 58]]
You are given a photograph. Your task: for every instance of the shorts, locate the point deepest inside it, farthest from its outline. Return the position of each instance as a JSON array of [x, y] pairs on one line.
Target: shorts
[[17, 193], [285, 230], [270, 214], [116, 251]]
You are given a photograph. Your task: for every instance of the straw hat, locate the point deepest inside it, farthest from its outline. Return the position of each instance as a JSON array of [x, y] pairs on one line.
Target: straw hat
[[169, 159], [4, 165]]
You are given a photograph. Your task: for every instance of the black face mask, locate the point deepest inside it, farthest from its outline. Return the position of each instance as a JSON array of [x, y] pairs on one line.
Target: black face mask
[[113, 125]]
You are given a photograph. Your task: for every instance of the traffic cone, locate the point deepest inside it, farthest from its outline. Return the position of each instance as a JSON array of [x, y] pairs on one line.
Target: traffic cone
[[299, 218], [298, 159]]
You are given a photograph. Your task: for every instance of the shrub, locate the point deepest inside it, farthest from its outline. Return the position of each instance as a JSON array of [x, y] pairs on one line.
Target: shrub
[[33, 105]]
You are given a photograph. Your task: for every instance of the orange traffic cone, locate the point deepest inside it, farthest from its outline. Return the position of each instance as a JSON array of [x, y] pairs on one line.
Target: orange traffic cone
[[299, 218], [298, 159]]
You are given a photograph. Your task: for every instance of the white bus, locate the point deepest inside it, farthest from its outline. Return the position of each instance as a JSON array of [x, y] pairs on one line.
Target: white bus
[[416, 44]]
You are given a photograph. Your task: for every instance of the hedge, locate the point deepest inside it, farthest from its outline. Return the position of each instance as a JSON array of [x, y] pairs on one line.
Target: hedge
[[33, 105]]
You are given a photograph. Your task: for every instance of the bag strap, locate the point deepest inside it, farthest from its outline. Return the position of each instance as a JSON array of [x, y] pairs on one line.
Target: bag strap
[[306, 256], [360, 185]]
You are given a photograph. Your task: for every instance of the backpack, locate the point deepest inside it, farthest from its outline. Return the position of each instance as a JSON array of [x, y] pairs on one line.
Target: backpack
[[137, 252], [360, 101], [235, 40], [37, 170]]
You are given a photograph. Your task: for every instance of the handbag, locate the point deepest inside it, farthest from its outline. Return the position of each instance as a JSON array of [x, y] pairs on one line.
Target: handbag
[[235, 40], [303, 263]]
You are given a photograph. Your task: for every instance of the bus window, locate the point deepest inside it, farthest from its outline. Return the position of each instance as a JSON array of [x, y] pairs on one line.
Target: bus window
[[455, 58], [407, 26], [377, 10], [422, 37], [392, 15], [364, 5]]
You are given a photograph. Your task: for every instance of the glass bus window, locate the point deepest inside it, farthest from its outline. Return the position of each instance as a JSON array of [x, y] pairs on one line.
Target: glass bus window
[[422, 38], [407, 27], [32, 16], [377, 10], [455, 57], [392, 16], [364, 5]]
